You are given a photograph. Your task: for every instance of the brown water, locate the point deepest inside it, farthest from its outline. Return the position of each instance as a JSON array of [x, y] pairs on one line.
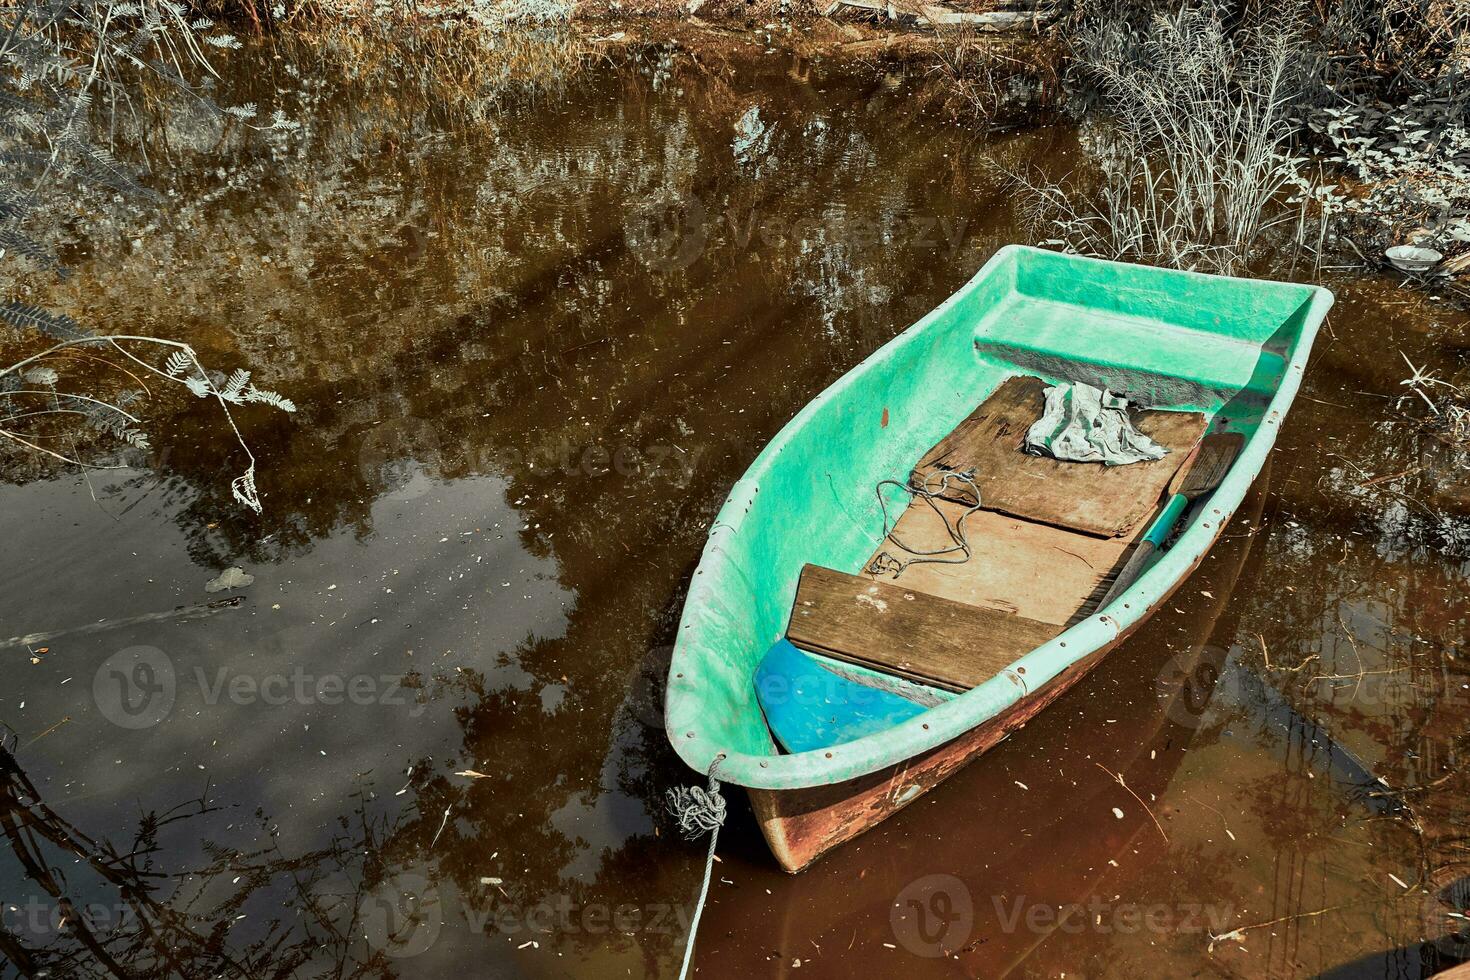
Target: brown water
[[534, 335]]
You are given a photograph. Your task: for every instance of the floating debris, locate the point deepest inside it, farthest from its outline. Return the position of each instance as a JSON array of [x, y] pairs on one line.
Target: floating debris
[[1411, 258], [233, 577]]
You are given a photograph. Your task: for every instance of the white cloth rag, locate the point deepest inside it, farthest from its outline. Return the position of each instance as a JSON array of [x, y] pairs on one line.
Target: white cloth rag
[[1083, 424]]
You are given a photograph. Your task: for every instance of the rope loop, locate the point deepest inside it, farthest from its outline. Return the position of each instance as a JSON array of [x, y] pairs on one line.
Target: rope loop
[[885, 562], [698, 811]]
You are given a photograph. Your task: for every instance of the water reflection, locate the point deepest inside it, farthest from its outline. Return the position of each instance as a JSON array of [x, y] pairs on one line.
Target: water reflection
[[534, 338]]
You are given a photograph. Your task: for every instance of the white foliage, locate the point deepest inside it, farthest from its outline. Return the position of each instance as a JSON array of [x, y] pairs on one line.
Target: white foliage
[[243, 487], [178, 363], [43, 376]]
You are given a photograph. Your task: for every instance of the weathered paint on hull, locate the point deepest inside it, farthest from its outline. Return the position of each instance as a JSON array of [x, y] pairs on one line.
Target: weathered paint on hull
[[800, 825]]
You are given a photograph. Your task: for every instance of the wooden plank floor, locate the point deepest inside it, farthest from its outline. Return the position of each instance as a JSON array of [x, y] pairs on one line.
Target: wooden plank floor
[[1107, 501], [924, 638], [1043, 573], [1048, 545]]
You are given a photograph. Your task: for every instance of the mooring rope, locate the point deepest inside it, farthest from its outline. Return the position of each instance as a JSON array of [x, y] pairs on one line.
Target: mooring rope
[[884, 561], [699, 811]]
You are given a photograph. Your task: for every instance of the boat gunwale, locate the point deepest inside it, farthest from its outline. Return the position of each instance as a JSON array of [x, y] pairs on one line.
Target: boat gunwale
[[952, 719]]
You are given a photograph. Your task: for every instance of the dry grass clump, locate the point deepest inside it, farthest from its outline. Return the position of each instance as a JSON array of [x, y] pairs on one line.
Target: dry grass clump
[[1448, 404], [1404, 42], [1198, 170], [997, 79]]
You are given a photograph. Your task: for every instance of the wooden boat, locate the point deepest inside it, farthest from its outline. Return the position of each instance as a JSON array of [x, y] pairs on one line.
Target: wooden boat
[[1051, 847], [837, 694]]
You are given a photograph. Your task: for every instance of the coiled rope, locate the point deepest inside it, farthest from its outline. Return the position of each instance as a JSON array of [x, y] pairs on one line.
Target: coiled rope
[[699, 811], [884, 562]]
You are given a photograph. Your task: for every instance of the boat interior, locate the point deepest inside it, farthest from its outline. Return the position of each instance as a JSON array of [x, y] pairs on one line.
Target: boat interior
[[959, 588], [802, 638]]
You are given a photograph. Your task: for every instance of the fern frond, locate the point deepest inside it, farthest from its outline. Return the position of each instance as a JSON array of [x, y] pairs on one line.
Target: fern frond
[[105, 418], [199, 386], [16, 241], [232, 388], [225, 41], [25, 316], [23, 160], [265, 397], [246, 111], [178, 362], [14, 206], [10, 102], [97, 164]]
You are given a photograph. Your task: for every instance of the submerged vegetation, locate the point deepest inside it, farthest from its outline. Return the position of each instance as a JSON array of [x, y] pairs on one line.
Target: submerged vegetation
[[61, 65]]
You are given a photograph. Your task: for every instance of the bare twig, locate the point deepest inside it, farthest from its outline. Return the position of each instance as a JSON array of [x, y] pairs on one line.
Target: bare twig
[[1118, 778]]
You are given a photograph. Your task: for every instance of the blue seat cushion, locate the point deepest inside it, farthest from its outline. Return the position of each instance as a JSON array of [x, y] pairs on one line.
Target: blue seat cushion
[[810, 706]]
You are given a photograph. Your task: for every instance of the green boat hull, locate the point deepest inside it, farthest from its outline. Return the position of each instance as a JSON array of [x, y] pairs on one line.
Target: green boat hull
[[1233, 349]]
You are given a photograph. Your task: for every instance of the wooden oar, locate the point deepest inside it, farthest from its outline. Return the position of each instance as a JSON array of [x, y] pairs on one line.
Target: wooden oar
[[1202, 471]]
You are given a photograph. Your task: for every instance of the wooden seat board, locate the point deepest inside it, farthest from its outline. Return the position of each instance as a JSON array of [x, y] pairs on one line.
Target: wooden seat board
[[1044, 573], [907, 633], [1107, 501]]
